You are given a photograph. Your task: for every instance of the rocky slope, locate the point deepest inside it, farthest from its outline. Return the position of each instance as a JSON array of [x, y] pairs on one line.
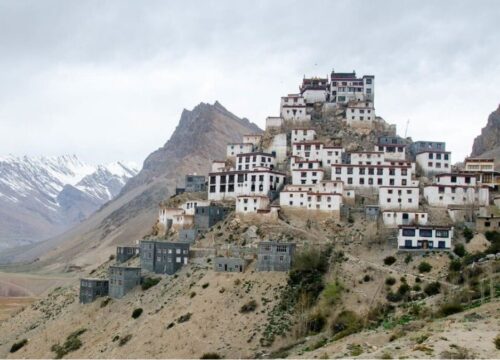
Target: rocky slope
[[488, 143], [200, 137], [41, 197]]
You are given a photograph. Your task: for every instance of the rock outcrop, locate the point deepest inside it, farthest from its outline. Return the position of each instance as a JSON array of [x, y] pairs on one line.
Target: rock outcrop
[[488, 143]]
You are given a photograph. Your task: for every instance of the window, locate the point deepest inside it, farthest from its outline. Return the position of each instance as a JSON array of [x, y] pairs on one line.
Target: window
[[442, 233], [425, 232], [409, 232]]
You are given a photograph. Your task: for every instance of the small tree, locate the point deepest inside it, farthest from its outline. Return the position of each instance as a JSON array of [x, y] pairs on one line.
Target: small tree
[[424, 267], [389, 260], [459, 250]]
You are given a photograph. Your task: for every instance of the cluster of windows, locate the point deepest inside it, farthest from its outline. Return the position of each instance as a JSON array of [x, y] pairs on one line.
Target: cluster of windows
[[426, 233]]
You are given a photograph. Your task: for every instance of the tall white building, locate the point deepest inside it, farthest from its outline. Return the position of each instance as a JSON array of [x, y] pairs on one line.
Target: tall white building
[[345, 87]]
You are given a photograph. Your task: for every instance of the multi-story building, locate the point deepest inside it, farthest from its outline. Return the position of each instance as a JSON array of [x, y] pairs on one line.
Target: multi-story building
[[314, 90], [195, 183], [456, 189], [432, 162], [374, 175], [163, 257], [413, 237], [394, 148], [250, 161], [230, 184], [419, 146], [122, 279], [254, 139], [302, 134], [91, 289], [207, 216], [273, 122], [324, 196], [251, 203], [360, 114], [398, 197], [345, 87], [235, 149], [308, 150], [275, 256], [124, 253], [229, 264], [484, 170], [307, 176], [293, 108]]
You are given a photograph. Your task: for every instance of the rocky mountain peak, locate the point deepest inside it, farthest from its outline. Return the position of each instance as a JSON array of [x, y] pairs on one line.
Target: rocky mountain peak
[[488, 143]]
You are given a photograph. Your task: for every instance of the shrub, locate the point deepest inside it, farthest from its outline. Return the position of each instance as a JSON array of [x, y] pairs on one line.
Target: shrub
[[389, 260], [403, 289], [111, 257], [205, 285], [136, 313], [390, 281], [249, 307], [316, 322], [105, 302], [494, 238], [210, 355], [416, 287], [367, 278], [18, 345], [346, 323], [192, 295], [455, 265], [149, 282], [332, 292], [72, 343], [424, 267], [459, 250], [450, 309], [497, 342], [418, 280], [468, 234], [184, 318], [125, 339], [408, 259], [432, 288], [394, 297]]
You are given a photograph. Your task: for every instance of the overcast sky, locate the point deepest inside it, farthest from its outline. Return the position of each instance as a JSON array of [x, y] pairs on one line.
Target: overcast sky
[[107, 80]]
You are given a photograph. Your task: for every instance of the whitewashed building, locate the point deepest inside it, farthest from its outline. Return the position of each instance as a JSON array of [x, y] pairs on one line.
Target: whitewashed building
[[235, 149], [278, 147], [367, 157], [303, 198], [331, 155], [360, 114], [432, 162], [392, 151], [190, 206], [253, 160], [230, 184], [444, 195], [479, 165], [254, 139], [246, 204], [308, 150], [394, 218], [296, 163], [218, 165], [307, 176], [368, 176], [166, 216], [314, 90], [345, 87], [302, 134], [398, 197], [412, 237], [293, 108]]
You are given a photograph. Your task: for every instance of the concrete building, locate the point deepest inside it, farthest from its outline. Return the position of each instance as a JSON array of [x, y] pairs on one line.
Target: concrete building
[[122, 279], [393, 147], [274, 256], [188, 235], [207, 216], [314, 90], [308, 150], [307, 176], [229, 264], [250, 161], [345, 87], [230, 184], [411, 237], [331, 155], [190, 205], [163, 257], [320, 197], [254, 139], [479, 165], [195, 183], [394, 218], [398, 197], [246, 204], [274, 122], [369, 176], [293, 108], [91, 289], [372, 212], [234, 149], [420, 146], [434, 162], [124, 253]]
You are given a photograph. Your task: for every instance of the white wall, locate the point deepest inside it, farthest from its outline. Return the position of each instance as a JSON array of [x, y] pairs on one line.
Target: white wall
[[374, 175], [250, 204], [252, 160], [456, 195], [398, 197], [307, 176], [298, 135], [396, 218], [434, 162], [415, 235], [234, 149]]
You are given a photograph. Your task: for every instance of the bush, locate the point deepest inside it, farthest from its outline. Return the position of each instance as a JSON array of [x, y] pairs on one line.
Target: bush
[[125, 339], [394, 297], [403, 289], [367, 278], [432, 288], [136, 313], [149, 282], [205, 285], [111, 257], [249, 307], [210, 356], [332, 292], [389, 260], [416, 287], [184, 318], [450, 309], [418, 280], [424, 267], [494, 238], [105, 302], [72, 343], [390, 281], [468, 234], [459, 250], [18, 345], [497, 342], [192, 295], [455, 265], [346, 323], [408, 259], [316, 323]]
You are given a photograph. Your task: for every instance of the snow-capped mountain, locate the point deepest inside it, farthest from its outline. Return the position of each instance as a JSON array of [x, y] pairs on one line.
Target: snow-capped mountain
[[43, 196]]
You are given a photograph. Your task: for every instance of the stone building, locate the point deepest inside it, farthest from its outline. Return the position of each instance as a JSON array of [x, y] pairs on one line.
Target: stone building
[[122, 279], [163, 257], [207, 216], [188, 235], [275, 256], [124, 253], [229, 264], [91, 289]]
